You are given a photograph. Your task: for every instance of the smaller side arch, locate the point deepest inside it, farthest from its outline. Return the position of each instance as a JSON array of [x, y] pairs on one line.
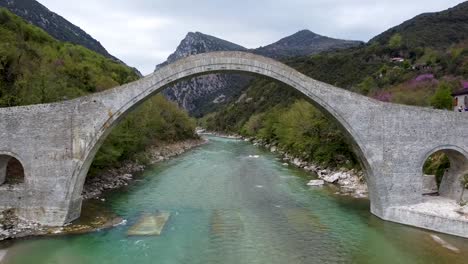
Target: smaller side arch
[[450, 185], [10, 163]]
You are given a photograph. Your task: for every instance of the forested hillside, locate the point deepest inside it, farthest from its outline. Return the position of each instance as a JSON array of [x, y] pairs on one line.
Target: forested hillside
[[392, 69], [52, 23], [36, 68]]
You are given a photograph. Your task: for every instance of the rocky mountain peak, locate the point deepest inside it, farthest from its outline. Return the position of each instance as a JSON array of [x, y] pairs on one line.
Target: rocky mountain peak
[[197, 43]]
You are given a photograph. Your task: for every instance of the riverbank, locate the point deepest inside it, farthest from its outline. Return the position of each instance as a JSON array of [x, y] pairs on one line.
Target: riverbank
[[351, 182], [12, 227]]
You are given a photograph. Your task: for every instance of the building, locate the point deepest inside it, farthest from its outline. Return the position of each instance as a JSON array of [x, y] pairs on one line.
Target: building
[[460, 98]]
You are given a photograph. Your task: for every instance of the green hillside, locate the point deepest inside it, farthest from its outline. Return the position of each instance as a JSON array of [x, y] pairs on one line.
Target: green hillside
[[438, 30], [36, 68]]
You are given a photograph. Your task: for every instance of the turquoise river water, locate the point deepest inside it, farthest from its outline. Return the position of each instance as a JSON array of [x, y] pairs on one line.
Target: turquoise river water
[[227, 207]]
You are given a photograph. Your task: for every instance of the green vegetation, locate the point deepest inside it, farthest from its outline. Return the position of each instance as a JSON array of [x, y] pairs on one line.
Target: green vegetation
[[156, 120], [436, 165], [395, 41], [437, 30], [442, 99], [35, 68]]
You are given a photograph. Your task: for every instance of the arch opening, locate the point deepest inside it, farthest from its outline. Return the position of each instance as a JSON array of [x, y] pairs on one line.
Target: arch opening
[[11, 171], [443, 171], [226, 62]]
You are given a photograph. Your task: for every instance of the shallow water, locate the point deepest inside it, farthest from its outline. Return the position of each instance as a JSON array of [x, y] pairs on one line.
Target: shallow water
[[227, 207]]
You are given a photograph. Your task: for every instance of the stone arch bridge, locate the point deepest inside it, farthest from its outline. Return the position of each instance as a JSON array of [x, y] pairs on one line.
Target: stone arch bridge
[[56, 143]]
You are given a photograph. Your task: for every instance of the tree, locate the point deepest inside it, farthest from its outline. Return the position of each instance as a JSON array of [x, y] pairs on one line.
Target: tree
[[367, 85], [442, 99], [395, 41]]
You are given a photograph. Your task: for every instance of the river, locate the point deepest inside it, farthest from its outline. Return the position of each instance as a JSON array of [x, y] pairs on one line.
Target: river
[[229, 206]]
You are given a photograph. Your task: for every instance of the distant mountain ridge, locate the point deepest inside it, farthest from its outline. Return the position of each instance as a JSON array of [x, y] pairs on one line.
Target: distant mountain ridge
[[204, 93], [303, 43], [57, 26]]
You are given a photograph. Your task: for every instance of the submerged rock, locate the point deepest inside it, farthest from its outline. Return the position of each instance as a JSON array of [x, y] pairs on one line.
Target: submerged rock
[[445, 244], [149, 225], [316, 183]]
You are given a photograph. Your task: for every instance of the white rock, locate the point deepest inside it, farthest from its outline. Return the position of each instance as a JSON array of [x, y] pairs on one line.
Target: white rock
[[297, 162], [344, 175], [273, 149], [332, 178], [316, 183]]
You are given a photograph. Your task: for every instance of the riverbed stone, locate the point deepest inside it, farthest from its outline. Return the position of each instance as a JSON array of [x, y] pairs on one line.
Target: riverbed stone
[[149, 225]]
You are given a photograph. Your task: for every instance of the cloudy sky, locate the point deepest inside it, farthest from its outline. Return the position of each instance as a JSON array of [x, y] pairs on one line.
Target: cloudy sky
[[144, 33]]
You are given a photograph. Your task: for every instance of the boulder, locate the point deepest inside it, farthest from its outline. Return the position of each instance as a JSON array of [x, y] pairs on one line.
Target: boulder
[[332, 178], [297, 162]]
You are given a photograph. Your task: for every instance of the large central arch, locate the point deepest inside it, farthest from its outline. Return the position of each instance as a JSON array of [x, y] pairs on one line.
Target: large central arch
[[118, 102]]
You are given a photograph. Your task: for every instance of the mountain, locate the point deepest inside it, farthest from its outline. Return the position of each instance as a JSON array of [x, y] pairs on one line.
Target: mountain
[[194, 94], [206, 93], [436, 30], [58, 27], [196, 43], [303, 43]]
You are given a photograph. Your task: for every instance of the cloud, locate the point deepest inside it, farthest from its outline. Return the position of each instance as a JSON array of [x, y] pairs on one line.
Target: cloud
[[144, 33]]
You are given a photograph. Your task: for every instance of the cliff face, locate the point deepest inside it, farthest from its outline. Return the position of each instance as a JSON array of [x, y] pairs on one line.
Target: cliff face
[[204, 94]]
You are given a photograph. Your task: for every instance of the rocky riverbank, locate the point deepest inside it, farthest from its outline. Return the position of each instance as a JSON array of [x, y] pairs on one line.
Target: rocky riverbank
[[350, 182], [13, 227]]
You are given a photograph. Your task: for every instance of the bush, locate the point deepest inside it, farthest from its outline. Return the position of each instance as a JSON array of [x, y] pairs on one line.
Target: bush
[[442, 99]]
